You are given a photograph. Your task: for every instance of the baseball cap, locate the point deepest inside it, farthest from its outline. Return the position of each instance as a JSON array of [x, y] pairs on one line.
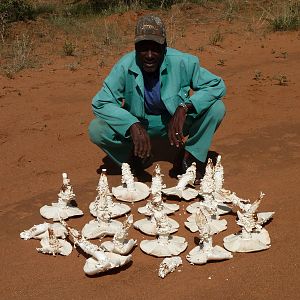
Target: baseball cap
[[150, 27]]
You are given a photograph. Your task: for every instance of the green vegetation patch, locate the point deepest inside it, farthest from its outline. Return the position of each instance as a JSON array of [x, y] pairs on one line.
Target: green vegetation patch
[[17, 10], [288, 18]]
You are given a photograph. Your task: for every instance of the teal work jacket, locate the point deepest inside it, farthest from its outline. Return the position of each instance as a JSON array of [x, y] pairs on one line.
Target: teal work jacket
[[120, 102]]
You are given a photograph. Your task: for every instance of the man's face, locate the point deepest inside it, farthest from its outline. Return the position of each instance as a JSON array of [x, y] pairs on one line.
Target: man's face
[[150, 55]]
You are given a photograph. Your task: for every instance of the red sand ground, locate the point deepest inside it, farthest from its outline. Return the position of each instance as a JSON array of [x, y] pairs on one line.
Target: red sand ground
[[44, 117]]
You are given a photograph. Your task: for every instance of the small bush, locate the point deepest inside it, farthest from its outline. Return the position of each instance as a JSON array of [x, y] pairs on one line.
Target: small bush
[[257, 75], [281, 79], [69, 48], [221, 62], [216, 38], [73, 66]]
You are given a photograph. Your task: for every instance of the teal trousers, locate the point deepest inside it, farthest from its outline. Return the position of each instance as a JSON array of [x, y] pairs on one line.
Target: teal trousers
[[199, 129]]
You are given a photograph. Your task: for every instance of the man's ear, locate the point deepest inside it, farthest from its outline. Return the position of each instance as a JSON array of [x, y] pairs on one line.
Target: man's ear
[[165, 45], [164, 51]]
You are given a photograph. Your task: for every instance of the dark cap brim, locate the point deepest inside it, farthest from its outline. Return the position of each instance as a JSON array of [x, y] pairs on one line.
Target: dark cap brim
[[150, 37]]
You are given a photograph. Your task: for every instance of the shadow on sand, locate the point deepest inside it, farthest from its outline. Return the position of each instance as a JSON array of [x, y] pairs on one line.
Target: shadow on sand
[[161, 151]]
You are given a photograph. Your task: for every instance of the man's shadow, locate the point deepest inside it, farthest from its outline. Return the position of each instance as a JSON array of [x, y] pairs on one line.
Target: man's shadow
[[161, 151]]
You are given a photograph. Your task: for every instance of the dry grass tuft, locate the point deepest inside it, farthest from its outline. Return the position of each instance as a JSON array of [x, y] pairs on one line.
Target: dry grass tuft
[[20, 56], [216, 38]]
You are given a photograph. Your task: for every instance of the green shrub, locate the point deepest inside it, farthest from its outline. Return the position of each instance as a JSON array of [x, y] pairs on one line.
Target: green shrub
[[100, 6], [69, 48], [160, 3], [112, 5], [17, 10], [44, 8]]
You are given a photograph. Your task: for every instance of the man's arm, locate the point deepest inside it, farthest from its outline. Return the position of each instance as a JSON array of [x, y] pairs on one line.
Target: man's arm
[[207, 87], [107, 104]]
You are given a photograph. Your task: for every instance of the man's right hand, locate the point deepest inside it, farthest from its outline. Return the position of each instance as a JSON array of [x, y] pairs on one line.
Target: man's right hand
[[141, 140]]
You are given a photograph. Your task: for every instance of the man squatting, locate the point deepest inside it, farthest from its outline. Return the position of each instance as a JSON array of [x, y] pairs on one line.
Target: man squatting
[[147, 94]]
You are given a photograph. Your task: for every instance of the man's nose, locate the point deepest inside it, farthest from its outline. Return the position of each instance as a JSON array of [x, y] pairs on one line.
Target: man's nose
[[149, 54]]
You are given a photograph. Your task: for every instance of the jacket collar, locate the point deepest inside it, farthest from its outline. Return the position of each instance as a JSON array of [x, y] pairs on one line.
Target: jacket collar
[[138, 72], [164, 65], [136, 69], [139, 76]]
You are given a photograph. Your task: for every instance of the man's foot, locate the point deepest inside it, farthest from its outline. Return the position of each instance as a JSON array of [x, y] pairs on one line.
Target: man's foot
[[183, 161], [187, 161], [177, 164], [138, 166]]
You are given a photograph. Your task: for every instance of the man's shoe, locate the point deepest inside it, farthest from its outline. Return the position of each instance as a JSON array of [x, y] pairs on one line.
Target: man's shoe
[[187, 161], [177, 164], [138, 165]]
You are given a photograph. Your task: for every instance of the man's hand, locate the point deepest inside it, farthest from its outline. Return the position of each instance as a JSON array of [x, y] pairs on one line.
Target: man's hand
[[141, 140], [175, 127]]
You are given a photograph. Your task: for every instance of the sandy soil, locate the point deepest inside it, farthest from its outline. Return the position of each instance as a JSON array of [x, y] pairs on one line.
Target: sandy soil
[[44, 117]]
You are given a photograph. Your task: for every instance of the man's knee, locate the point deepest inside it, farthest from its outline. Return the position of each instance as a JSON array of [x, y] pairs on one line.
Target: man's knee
[[96, 131], [217, 111]]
